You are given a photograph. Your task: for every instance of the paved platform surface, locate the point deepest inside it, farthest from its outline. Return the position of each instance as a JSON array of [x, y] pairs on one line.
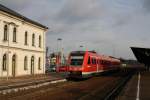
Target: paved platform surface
[[138, 88], [23, 79]]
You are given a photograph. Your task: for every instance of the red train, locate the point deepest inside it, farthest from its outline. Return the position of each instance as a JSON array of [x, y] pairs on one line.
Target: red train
[[84, 64]]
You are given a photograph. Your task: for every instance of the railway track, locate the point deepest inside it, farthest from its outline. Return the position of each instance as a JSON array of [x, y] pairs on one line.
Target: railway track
[[27, 85], [110, 92], [104, 87], [118, 88]]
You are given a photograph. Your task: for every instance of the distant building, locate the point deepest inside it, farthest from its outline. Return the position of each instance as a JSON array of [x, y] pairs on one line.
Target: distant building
[[55, 58], [22, 45]]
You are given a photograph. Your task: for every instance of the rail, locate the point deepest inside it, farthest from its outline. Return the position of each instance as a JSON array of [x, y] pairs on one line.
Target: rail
[[114, 92], [28, 85]]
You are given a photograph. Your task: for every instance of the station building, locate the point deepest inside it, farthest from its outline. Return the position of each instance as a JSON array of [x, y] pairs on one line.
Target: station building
[[22, 44]]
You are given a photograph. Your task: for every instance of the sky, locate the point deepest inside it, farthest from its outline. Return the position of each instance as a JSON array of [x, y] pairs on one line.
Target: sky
[[110, 27]]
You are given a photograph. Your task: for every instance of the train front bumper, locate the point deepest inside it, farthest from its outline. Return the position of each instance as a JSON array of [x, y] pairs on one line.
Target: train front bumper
[[75, 74]]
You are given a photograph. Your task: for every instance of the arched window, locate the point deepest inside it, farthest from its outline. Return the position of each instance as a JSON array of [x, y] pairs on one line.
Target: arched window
[[39, 63], [32, 65], [4, 62], [40, 41], [5, 32], [33, 39], [25, 63], [14, 65], [26, 38], [14, 34]]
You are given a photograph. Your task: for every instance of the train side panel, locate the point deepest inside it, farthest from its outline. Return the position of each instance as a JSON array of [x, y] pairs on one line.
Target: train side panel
[[92, 64]]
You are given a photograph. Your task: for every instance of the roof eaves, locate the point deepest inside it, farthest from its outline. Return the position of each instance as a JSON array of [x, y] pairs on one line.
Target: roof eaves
[[11, 12]]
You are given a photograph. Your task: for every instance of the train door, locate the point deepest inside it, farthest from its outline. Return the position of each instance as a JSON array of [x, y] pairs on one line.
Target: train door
[[97, 65], [94, 64], [88, 64]]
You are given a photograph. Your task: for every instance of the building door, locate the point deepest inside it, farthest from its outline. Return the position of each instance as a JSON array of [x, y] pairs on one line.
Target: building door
[[32, 65], [14, 65]]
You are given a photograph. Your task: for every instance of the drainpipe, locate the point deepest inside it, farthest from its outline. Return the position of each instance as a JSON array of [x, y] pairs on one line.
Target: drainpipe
[[7, 56]]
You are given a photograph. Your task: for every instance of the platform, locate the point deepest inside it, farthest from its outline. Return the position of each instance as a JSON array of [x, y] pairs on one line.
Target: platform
[[24, 79], [138, 88]]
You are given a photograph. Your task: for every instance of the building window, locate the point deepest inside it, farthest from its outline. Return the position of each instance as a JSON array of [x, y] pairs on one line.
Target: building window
[[26, 38], [4, 62], [14, 34], [14, 65], [33, 39], [32, 65], [40, 41], [25, 63], [5, 32], [39, 64]]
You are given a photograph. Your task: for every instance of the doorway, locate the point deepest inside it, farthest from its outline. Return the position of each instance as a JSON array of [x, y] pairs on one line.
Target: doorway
[[32, 65], [14, 65]]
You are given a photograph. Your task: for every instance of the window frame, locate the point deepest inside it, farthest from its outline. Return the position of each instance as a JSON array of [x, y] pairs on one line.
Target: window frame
[[4, 63], [89, 60], [40, 41], [33, 39], [25, 63], [5, 37], [26, 38], [14, 34], [39, 63]]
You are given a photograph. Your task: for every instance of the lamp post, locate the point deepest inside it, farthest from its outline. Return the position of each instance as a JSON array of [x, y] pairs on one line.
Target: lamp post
[[81, 46], [58, 51], [59, 39], [47, 52]]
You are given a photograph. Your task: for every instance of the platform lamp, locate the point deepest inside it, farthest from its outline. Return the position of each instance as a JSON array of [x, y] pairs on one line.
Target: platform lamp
[[81, 46], [57, 55]]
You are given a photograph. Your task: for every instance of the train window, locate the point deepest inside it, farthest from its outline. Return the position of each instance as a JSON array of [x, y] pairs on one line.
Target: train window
[[76, 60], [94, 61], [99, 62], [89, 60], [106, 62], [103, 62]]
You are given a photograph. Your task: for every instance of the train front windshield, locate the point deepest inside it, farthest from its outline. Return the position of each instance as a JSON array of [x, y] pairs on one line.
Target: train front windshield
[[76, 60]]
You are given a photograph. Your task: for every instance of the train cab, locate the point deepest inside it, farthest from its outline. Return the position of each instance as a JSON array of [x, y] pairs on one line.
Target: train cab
[[75, 61]]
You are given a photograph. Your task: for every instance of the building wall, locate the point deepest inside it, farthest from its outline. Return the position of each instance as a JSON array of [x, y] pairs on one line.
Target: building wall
[[18, 48]]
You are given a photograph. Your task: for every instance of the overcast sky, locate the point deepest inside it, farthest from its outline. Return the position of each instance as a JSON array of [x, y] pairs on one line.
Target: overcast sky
[[107, 26]]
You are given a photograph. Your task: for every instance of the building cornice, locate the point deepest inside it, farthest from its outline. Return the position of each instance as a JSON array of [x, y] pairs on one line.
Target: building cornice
[[23, 49]]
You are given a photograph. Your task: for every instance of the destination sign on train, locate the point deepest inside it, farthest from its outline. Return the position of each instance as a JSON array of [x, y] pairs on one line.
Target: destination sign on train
[[76, 57]]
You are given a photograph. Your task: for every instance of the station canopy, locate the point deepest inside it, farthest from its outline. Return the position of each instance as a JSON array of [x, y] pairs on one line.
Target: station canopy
[[142, 55]]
